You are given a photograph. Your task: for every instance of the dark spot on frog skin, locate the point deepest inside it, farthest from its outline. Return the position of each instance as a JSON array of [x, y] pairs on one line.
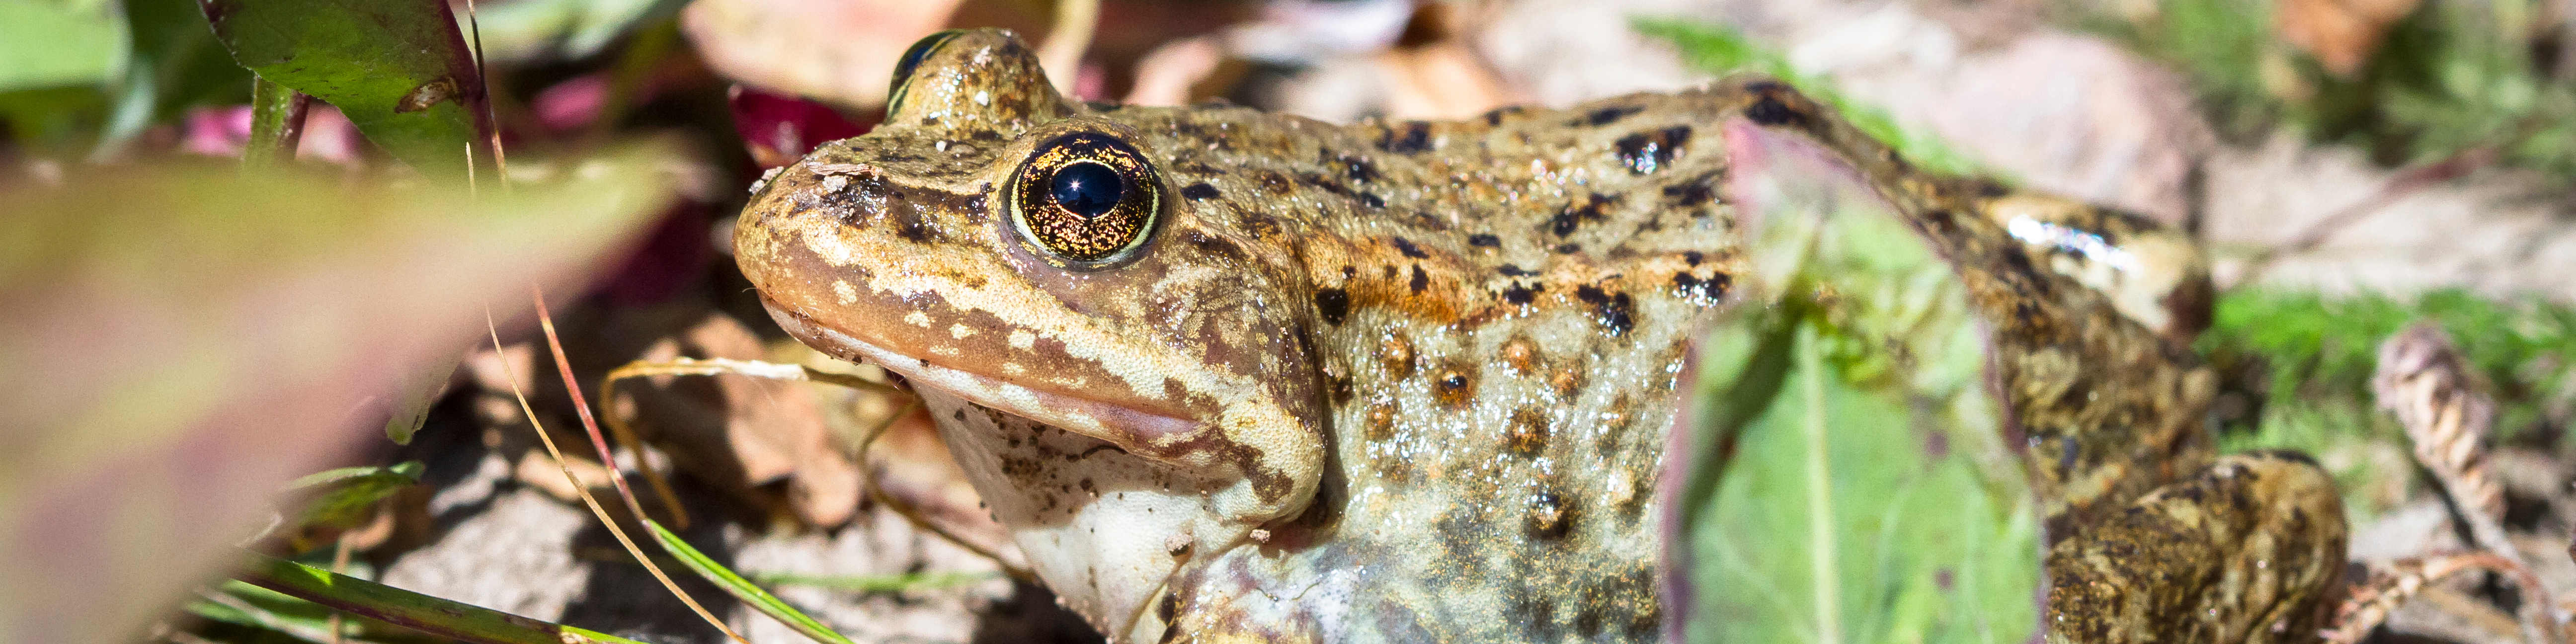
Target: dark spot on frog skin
[[1615, 311], [2286, 455], [1567, 249], [1768, 109], [1612, 114], [1550, 516], [1166, 610], [1200, 191], [1373, 201], [1514, 270], [1215, 246], [1420, 280], [1360, 170], [1406, 247], [1528, 431], [1646, 152], [1689, 195], [1693, 258], [1566, 220], [1412, 137], [1341, 390], [1708, 290], [1518, 294], [1495, 116], [1333, 304], [1455, 387], [1485, 241]]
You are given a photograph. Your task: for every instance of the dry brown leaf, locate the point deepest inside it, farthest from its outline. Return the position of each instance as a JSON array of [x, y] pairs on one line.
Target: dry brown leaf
[[2390, 585], [2341, 34], [840, 51], [741, 432], [1434, 72]]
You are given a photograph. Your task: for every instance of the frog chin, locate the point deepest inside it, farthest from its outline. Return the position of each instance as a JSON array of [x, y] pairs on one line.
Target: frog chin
[[1106, 528]]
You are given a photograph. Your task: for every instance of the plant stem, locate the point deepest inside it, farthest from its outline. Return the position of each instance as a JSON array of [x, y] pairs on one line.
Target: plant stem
[[276, 123], [438, 617]]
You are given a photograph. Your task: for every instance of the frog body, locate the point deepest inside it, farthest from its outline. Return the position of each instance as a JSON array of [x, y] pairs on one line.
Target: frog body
[[1232, 375]]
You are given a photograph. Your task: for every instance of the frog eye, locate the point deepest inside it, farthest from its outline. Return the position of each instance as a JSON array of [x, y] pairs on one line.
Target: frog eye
[[903, 67], [1086, 199]]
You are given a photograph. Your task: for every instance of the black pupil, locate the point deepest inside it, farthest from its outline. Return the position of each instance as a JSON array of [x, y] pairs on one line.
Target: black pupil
[[1087, 189]]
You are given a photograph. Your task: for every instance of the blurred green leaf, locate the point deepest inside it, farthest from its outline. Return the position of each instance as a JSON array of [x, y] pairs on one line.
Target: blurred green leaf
[[398, 69], [1870, 496], [182, 340], [539, 30], [51, 43], [176, 64]]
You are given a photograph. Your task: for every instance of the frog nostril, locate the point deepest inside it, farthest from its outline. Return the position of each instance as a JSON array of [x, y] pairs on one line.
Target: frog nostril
[[1086, 189]]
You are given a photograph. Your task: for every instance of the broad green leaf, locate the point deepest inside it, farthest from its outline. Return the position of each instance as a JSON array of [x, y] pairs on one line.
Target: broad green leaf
[[183, 340], [742, 589], [398, 69], [1862, 489], [52, 43]]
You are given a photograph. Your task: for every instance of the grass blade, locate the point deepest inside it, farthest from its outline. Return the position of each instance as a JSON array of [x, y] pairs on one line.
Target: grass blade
[[405, 608], [742, 589]]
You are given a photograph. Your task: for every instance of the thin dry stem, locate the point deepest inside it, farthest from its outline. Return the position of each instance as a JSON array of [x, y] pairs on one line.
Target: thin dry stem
[[596, 510], [2390, 586], [777, 371], [1061, 55]]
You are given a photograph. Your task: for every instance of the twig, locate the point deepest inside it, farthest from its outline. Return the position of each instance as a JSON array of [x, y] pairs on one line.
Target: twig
[[2405, 182], [2389, 587], [867, 481], [547, 322]]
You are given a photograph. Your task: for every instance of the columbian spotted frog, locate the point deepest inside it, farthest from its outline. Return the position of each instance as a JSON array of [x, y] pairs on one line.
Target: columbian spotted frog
[[1230, 375]]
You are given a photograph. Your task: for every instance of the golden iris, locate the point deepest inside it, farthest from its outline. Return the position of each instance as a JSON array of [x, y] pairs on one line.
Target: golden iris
[[1086, 198]]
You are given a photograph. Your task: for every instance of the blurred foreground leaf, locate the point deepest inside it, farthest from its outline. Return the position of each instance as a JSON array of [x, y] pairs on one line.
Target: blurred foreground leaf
[[398, 69], [1848, 476], [53, 43], [181, 341]]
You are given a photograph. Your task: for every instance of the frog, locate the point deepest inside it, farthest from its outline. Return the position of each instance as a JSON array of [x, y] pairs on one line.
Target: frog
[[1232, 375]]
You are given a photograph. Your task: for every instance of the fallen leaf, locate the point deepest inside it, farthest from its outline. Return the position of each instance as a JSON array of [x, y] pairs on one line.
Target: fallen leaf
[[2341, 34]]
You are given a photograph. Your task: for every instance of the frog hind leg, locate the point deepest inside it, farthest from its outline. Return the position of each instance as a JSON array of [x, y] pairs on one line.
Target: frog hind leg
[[2249, 550]]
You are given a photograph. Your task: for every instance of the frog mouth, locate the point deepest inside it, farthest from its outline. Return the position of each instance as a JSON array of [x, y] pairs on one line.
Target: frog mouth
[[1125, 427]]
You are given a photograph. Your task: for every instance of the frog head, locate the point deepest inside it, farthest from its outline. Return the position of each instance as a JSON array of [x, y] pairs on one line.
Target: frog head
[[997, 244]]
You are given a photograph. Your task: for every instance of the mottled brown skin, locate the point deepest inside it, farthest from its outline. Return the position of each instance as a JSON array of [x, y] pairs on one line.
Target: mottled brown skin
[[1409, 381]]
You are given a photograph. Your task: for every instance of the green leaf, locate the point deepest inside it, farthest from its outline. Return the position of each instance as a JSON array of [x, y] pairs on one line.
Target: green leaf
[[1870, 496], [1720, 49], [52, 43], [348, 495], [562, 29], [742, 589], [185, 339], [398, 69]]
